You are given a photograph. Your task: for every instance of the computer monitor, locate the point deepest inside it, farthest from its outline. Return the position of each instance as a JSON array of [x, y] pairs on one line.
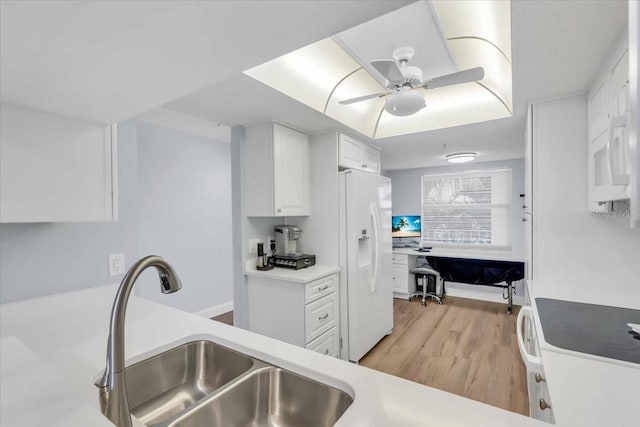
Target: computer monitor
[[406, 226]]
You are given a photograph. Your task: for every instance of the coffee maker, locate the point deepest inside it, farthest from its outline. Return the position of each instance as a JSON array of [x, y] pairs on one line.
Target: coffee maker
[[287, 239], [286, 253]]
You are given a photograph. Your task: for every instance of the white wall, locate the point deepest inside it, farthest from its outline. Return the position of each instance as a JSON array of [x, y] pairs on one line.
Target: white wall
[[587, 257]]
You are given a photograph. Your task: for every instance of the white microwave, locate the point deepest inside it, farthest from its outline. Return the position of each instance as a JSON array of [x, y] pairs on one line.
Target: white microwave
[[610, 166]]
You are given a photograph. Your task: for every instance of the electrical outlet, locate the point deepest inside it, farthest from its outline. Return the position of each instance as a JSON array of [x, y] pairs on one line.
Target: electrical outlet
[[253, 245], [116, 265]]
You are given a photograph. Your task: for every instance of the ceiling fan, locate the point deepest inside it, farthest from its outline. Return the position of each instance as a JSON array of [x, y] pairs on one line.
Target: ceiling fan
[[402, 78]]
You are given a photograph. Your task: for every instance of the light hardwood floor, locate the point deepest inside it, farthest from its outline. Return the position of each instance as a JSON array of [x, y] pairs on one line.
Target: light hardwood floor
[[466, 347]]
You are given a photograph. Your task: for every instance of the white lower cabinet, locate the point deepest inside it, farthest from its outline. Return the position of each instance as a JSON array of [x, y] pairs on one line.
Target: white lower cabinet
[[327, 343], [304, 314], [403, 281]]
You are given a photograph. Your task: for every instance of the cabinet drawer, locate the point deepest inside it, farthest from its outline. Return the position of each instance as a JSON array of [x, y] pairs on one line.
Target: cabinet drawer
[[320, 316], [326, 343], [319, 288], [400, 259]]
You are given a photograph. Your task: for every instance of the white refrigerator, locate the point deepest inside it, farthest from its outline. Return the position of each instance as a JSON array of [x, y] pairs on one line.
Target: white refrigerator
[[366, 289]]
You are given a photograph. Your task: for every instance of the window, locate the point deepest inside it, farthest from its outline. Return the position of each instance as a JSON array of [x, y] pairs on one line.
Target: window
[[467, 209]]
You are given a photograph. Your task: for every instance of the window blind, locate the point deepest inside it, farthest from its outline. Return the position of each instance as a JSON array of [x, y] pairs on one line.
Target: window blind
[[467, 209]]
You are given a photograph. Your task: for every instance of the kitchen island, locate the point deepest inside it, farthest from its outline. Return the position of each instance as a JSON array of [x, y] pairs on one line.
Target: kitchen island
[[67, 333]]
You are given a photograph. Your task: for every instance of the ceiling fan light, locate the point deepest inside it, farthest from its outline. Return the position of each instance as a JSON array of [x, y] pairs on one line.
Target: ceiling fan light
[[404, 103], [460, 157]]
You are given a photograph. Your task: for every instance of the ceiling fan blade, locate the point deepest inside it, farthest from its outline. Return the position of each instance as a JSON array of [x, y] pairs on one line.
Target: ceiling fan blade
[[363, 98], [465, 76], [389, 69]]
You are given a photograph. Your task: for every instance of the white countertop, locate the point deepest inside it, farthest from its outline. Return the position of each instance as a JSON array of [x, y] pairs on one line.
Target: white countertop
[[69, 332], [492, 255], [304, 275], [585, 390], [34, 394]]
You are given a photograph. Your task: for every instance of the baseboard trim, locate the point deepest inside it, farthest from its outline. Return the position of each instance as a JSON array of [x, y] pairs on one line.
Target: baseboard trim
[[216, 310]]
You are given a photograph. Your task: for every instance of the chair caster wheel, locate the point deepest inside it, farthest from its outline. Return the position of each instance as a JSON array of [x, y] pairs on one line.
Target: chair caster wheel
[[410, 299], [423, 303]]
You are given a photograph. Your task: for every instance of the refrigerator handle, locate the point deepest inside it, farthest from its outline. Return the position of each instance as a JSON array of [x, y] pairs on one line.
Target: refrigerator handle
[[373, 211]]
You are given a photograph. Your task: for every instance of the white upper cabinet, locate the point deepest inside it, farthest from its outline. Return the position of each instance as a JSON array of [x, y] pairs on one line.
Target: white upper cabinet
[[55, 169], [610, 168], [277, 171], [354, 154]]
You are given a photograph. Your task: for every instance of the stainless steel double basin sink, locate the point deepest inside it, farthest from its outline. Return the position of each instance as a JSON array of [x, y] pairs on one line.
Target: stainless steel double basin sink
[[202, 383]]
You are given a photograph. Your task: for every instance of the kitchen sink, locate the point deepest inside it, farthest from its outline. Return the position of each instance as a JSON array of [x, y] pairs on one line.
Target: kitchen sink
[[168, 383], [270, 397], [202, 383]]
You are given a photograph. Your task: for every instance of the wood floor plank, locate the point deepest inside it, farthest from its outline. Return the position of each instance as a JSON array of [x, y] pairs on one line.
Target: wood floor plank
[[466, 347]]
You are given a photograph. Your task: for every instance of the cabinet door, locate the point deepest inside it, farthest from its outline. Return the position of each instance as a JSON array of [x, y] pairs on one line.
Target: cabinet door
[[55, 168], [291, 172], [400, 279], [371, 158], [619, 85], [349, 153]]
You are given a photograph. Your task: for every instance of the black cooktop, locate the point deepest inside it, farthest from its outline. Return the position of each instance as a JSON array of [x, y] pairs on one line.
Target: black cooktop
[[589, 328]]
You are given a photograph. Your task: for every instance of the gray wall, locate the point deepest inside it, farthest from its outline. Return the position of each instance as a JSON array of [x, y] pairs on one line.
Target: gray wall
[[184, 214], [174, 201], [406, 187]]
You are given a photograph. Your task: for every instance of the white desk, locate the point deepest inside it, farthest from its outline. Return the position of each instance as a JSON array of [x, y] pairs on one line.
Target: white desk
[[407, 258], [491, 255]]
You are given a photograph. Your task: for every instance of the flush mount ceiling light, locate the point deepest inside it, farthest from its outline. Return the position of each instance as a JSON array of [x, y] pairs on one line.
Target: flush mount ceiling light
[[461, 157], [451, 39]]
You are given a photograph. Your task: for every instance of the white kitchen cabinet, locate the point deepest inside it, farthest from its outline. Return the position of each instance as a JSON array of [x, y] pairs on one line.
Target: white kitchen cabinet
[[403, 281], [277, 171], [304, 314], [354, 154], [609, 163], [55, 168]]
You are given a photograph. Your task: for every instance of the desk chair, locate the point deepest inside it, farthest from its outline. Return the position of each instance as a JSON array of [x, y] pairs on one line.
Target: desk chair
[[423, 274]]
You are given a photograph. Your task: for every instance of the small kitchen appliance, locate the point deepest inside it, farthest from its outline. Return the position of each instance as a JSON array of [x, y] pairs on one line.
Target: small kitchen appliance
[[286, 254], [287, 239]]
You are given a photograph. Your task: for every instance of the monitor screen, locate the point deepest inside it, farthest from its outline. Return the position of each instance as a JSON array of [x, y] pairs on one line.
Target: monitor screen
[[405, 226]]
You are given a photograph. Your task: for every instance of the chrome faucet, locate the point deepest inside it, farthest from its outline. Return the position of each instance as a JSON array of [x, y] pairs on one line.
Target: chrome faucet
[[113, 392]]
